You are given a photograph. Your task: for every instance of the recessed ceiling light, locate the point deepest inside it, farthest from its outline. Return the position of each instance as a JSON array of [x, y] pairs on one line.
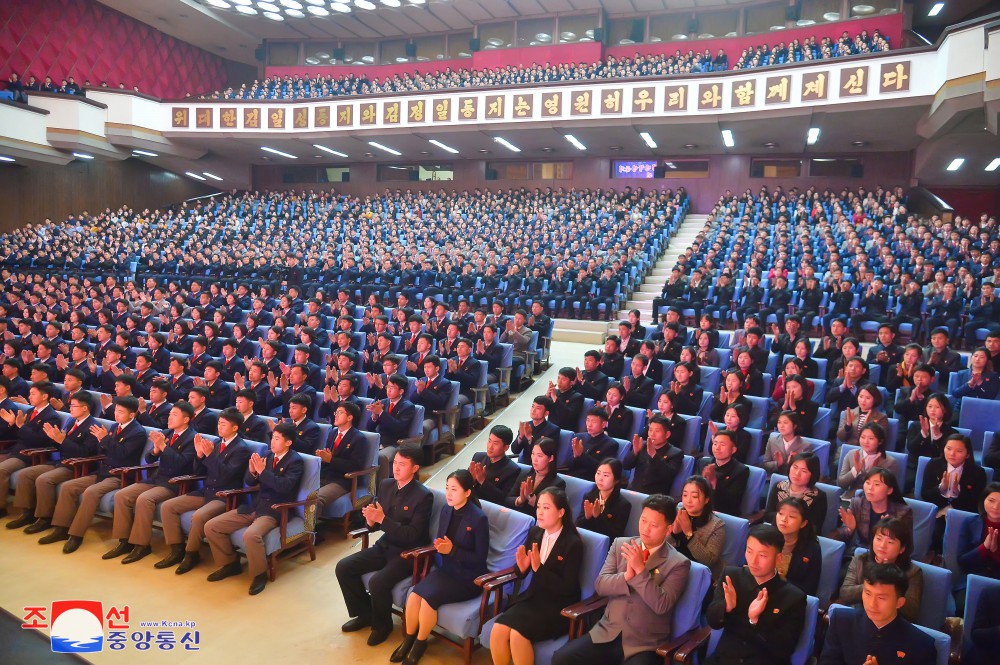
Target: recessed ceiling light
[[615, 148], [690, 146], [277, 152], [268, 6], [318, 3], [194, 175], [318, 11], [364, 4], [812, 136], [295, 13], [341, 7], [417, 2], [859, 144], [250, 11], [770, 144], [82, 155], [446, 148], [245, 3], [391, 151], [727, 138], [221, 4], [274, 17], [484, 151], [291, 4], [507, 144], [992, 166], [392, 3], [145, 153], [212, 176], [648, 139], [936, 9], [329, 150], [575, 142], [547, 149], [425, 152], [4, 158], [369, 154], [956, 163]]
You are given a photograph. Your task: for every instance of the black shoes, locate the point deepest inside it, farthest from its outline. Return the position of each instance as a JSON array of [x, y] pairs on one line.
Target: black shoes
[[121, 549], [24, 520], [191, 559], [228, 570], [72, 545], [355, 624], [403, 650], [61, 533], [175, 557], [40, 525], [419, 647], [258, 584], [138, 552], [378, 636]]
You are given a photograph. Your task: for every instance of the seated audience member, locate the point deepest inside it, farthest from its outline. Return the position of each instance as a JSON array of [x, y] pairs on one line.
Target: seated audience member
[[523, 495], [493, 473], [391, 419], [751, 378], [868, 410], [803, 475], [538, 427], [462, 545], [938, 355], [590, 448], [878, 634], [927, 435], [665, 408], [656, 462], [620, 418], [784, 445], [892, 544], [604, 509], [155, 411], [344, 452], [734, 421], [643, 580], [725, 473], [796, 399], [979, 381], [697, 532], [28, 431], [984, 634], [567, 403], [402, 510], [801, 559], [760, 614], [553, 552], [871, 453], [952, 481], [730, 395], [592, 382], [881, 497], [687, 393], [980, 539]]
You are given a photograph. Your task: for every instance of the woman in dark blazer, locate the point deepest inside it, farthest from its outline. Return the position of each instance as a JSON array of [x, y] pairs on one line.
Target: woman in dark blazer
[[621, 418], [801, 559], [980, 539], [953, 480], [542, 474], [665, 407], [462, 544], [604, 509], [730, 394], [751, 378], [735, 421], [553, 553]]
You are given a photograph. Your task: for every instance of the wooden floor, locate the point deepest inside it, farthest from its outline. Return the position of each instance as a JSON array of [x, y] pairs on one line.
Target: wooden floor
[[296, 619]]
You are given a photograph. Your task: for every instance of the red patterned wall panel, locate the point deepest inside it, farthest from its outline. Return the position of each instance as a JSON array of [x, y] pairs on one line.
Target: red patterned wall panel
[[87, 40]]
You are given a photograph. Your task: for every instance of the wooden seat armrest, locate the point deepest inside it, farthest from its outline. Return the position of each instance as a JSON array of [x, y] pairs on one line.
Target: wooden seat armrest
[[77, 461], [361, 472], [292, 504], [186, 479], [228, 493], [418, 552], [483, 579], [579, 610], [499, 581], [410, 441], [696, 639], [362, 533], [667, 649], [38, 455]]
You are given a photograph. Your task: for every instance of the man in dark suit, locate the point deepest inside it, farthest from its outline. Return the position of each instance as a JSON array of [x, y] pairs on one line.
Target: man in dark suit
[[144, 374], [121, 446], [278, 476], [463, 368], [643, 580], [592, 382], [199, 356], [639, 388], [592, 447], [306, 437], [256, 380], [493, 472], [253, 428], [203, 421], [343, 453], [433, 393], [537, 427], [223, 464], [155, 412], [27, 428], [180, 383], [939, 356], [656, 461], [885, 353], [402, 510], [35, 493], [293, 384], [877, 633], [760, 614], [135, 506], [220, 395], [391, 418], [567, 403]]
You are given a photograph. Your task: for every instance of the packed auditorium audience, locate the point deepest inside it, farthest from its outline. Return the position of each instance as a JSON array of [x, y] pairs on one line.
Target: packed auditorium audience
[[802, 351], [637, 66], [17, 89]]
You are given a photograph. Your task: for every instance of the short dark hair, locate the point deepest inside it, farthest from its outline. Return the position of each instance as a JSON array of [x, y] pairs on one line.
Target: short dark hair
[[411, 452], [232, 415], [129, 403], [286, 430], [888, 573], [767, 535], [663, 504], [503, 433], [185, 408], [353, 410], [301, 400], [545, 401]]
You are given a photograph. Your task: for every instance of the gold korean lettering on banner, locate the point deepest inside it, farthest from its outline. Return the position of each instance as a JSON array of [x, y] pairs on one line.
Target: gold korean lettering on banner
[[494, 106], [203, 119], [321, 116], [415, 110], [300, 118], [523, 105], [642, 100], [895, 77], [675, 98], [777, 89], [708, 96], [744, 94], [251, 118], [552, 103], [390, 113], [179, 117], [345, 115], [468, 107], [276, 119], [854, 82], [368, 113], [228, 118], [611, 101], [814, 86], [581, 103], [442, 110]]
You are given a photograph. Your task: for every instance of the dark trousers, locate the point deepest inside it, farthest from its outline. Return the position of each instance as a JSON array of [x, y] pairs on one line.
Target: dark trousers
[[583, 651], [376, 602]]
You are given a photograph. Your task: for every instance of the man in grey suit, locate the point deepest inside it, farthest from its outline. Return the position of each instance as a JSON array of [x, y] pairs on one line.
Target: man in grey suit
[[643, 579]]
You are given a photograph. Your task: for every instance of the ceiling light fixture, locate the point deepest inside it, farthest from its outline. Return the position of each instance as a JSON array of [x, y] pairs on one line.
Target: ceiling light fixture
[[194, 175], [329, 150], [291, 4], [212, 176], [82, 155], [392, 3], [727, 138], [936, 9], [575, 142], [364, 4], [507, 144], [277, 152], [274, 17], [4, 158], [648, 139], [318, 11], [250, 11], [446, 148], [812, 136], [391, 151], [341, 7], [145, 153], [956, 163], [992, 166], [221, 4]]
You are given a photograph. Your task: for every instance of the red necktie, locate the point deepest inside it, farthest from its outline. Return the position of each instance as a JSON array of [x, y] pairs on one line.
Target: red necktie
[[72, 428], [119, 430], [391, 407], [33, 414], [645, 555], [222, 448], [152, 409], [274, 465], [336, 444], [173, 438]]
